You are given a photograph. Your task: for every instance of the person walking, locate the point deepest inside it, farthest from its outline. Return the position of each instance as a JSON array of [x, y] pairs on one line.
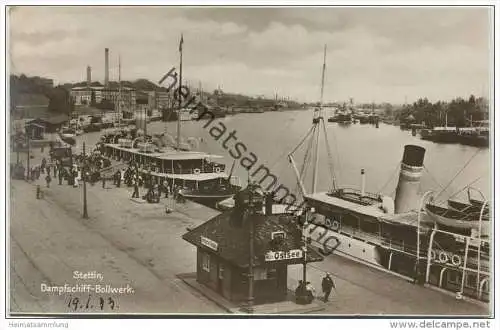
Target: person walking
[[118, 178], [136, 189], [55, 170], [61, 174], [103, 182], [44, 164], [327, 284], [48, 179], [166, 188]]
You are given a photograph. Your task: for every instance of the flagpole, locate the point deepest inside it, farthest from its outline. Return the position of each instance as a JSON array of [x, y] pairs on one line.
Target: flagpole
[[179, 95]]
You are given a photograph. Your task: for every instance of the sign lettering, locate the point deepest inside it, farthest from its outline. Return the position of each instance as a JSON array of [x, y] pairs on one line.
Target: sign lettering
[[283, 255], [209, 243]]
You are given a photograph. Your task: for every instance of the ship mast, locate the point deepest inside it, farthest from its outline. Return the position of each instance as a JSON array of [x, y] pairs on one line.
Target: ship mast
[[317, 128], [314, 135], [179, 95]]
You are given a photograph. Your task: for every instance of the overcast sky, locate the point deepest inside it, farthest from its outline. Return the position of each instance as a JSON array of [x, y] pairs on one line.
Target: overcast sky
[[373, 54]]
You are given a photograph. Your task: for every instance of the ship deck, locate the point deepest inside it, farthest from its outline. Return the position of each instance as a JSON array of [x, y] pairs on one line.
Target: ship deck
[[374, 210]]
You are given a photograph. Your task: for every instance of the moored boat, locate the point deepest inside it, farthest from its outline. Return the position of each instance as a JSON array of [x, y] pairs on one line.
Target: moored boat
[[447, 248]]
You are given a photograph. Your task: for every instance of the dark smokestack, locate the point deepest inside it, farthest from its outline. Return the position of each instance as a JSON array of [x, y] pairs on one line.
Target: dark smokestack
[[89, 76], [409, 179], [106, 67]]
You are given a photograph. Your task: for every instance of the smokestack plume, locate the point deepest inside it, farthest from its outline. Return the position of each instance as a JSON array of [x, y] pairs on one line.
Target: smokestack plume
[[106, 67], [409, 179], [89, 76]]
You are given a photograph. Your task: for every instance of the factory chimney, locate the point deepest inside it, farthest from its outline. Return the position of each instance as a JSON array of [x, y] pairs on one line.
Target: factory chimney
[[409, 179], [106, 67], [89, 76]]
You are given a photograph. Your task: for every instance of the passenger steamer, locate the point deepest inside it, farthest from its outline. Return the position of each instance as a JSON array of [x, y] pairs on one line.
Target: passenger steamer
[[202, 179], [445, 246]]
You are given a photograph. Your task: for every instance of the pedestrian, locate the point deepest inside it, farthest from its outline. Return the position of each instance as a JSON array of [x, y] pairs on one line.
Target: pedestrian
[[37, 172], [75, 180], [103, 182], [44, 163], [136, 190], [118, 178], [327, 284], [61, 173], [48, 169], [48, 179], [166, 188], [55, 170]]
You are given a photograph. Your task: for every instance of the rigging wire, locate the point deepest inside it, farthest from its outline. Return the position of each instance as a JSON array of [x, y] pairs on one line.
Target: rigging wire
[[390, 177], [303, 139], [432, 177], [467, 186], [337, 153], [284, 152], [458, 173], [307, 157], [330, 158]]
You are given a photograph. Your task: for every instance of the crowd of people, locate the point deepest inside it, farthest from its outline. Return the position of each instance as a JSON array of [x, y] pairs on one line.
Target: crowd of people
[[155, 188]]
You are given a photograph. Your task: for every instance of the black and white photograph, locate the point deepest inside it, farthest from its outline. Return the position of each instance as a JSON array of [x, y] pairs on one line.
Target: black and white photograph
[[240, 161]]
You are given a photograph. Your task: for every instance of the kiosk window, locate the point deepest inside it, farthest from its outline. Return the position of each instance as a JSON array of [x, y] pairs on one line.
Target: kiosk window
[[205, 262]]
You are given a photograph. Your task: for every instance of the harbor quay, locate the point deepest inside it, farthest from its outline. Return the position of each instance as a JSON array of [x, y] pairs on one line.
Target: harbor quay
[[138, 246]]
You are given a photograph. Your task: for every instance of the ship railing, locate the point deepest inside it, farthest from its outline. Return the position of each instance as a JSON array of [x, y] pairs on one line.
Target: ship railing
[[354, 191]]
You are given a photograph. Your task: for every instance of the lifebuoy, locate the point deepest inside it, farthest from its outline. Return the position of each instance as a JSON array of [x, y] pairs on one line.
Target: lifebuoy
[[197, 171], [335, 225], [433, 255], [443, 257], [456, 260], [217, 169]]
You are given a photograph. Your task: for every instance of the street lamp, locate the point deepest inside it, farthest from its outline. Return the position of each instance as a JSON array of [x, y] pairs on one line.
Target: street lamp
[[304, 246]]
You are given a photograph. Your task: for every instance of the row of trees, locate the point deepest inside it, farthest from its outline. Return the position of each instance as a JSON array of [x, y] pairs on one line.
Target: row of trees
[[59, 97], [457, 112]]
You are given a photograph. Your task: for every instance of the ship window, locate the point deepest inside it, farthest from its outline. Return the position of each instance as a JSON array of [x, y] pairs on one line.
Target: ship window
[[205, 262]]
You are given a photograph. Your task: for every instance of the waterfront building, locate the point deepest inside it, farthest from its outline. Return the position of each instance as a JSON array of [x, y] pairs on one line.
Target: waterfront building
[[83, 95], [226, 244]]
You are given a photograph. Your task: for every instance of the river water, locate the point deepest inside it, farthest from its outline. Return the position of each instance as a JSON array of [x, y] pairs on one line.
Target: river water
[[270, 136]]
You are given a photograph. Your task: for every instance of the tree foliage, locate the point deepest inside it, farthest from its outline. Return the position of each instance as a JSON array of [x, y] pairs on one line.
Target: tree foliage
[[457, 112], [60, 101]]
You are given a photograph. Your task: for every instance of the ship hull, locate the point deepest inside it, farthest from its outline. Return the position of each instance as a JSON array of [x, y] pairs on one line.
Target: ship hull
[[207, 200]]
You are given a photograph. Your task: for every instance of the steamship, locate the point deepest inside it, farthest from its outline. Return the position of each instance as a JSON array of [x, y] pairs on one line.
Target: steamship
[[413, 236], [201, 178]]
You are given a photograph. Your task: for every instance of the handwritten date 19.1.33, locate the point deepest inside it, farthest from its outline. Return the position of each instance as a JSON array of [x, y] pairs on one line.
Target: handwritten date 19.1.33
[[91, 303]]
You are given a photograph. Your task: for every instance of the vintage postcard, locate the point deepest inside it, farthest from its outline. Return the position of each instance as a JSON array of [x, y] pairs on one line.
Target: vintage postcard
[[214, 160]]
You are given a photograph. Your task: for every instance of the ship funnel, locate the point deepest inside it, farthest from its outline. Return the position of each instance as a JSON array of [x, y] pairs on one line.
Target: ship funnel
[[363, 182], [409, 179]]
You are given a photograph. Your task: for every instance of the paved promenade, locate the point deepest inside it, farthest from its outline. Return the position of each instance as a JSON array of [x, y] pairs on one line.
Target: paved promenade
[[139, 245]]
